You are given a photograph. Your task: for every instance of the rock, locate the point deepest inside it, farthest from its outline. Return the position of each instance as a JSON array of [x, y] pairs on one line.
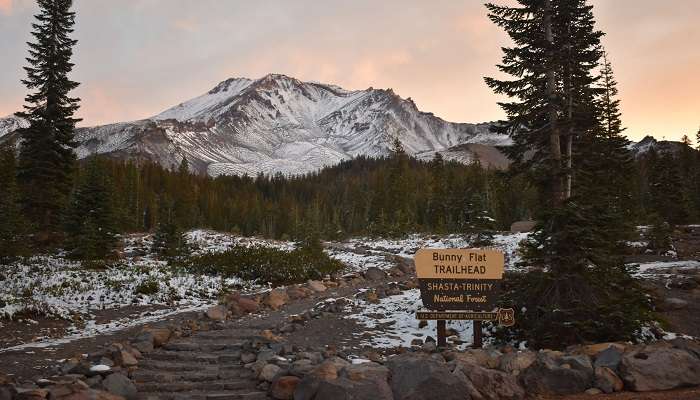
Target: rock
[[316, 286], [120, 385], [673, 303], [607, 381], [420, 377], [481, 357], [269, 372], [326, 371], [692, 346], [297, 292], [247, 357], [659, 368], [515, 362], [160, 335], [283, 388], [579, 362], [276, 298], [374, 274], [124, 358], [144, 342], [490, 383], [31, 394], [545, 377], [609, 357], [267, 334], [593, 391], [217, 313], [429, 347], [248, 305], [302, 368], [522, 226]]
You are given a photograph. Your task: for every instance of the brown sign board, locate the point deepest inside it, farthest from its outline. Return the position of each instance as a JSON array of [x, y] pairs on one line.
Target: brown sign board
[[459, 264], [459, 279]]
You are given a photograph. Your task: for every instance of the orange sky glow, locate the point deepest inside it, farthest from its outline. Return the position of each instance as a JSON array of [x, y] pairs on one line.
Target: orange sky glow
[[138, 57]]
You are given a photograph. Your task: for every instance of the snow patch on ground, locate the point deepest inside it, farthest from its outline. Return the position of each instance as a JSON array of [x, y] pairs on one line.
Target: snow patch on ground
[[392, 322]]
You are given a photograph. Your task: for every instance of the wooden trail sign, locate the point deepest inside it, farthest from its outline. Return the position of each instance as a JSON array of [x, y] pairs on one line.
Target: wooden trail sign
[[461, 284]]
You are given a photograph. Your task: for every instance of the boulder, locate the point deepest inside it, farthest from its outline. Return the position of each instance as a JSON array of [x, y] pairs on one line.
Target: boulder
[[659, 368], [609, 357], [283, 387], [269, 372], [374, 274], [515, 362], [160, 335], [298, 292], [420, 377], [248, 305], [276, 298], [607, 381], [124, 358], [144, 342], [592, 350], [481, 357], [217, 313], [692, 346], [546, 377], [522, 226], [316, 286], [326, 371], [120, 385], [490, 383]]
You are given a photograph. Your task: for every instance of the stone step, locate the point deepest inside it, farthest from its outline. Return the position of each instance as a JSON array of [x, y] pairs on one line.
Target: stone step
[[196, 357], [172, 366], [207, 346], [223, 395], [160, 375], [202, 386]]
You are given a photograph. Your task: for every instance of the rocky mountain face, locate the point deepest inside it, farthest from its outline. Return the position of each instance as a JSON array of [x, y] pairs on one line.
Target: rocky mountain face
[[278, 124]]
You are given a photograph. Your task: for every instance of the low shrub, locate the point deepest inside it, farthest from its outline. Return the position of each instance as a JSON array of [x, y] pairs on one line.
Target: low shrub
[[266, 264], [148, 287]]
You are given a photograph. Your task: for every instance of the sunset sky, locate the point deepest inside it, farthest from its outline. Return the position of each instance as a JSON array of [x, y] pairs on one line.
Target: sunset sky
[[137, 57]]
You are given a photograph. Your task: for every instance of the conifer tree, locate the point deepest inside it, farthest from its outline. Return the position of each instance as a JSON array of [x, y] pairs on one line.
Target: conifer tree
[[90, 225], [47, 153], [553, 119], [12, 225], [169, 240]]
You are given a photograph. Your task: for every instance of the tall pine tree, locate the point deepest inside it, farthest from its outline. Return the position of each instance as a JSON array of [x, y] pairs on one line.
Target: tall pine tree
[[47, 154], [553, 119]]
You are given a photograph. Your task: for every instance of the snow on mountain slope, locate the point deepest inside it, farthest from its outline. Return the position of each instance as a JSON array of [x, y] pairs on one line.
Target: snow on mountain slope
[[10, 124], [278, 124]]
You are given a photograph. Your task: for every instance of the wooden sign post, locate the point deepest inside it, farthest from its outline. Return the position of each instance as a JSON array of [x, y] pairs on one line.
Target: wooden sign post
[[461, 284]]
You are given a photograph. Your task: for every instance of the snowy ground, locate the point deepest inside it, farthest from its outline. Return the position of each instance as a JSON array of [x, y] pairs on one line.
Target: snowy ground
[[392, 322], [54, 287]]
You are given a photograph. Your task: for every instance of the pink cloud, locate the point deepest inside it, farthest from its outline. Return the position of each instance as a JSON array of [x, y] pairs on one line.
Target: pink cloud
[[6, 7]]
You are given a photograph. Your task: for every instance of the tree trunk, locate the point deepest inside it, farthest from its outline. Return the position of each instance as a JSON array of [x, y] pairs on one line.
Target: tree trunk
[[554, 135]]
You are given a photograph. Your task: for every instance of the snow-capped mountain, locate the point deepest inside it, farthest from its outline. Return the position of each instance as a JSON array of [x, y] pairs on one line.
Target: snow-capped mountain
[[280, 124], [10, 124]]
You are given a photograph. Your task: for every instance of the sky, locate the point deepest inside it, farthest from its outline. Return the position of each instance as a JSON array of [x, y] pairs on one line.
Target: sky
[[135, 58]]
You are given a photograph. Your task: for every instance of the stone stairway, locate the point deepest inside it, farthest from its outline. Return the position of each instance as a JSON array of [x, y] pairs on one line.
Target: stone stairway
[[205, 366]]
